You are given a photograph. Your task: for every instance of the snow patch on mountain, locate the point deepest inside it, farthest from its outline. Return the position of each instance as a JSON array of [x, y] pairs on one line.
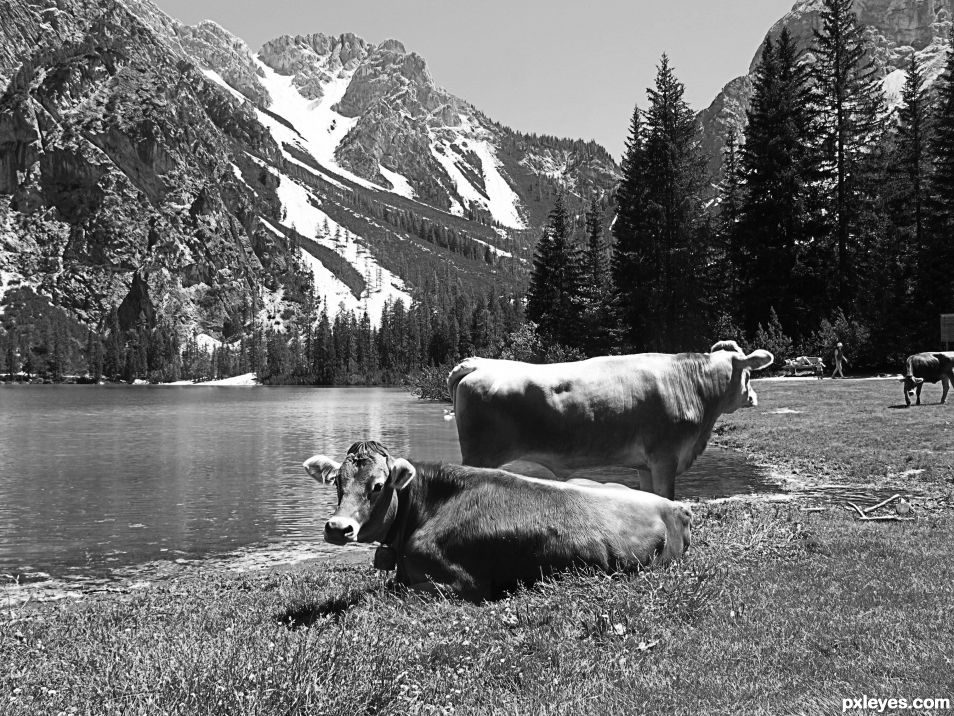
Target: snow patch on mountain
[[302, 215], [493, 249], [449, 145], [503, 200], [399, 183], [893, 85], [207, 343], [8, 279], [318, 128], [218, 79]]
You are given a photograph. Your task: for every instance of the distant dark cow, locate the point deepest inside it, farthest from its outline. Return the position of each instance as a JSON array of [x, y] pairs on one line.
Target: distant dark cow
[[486, 532], [927, 367], [651, 411]]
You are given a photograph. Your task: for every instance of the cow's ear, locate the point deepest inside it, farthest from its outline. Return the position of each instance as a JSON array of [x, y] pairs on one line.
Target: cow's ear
[[756, 360], [402, 472], [320, 467]]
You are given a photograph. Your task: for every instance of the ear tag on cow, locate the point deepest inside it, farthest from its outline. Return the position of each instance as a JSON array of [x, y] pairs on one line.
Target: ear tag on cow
[[385, 558]]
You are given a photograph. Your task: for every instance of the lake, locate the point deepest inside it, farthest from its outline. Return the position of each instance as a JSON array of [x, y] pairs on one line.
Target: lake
[[94, 479]]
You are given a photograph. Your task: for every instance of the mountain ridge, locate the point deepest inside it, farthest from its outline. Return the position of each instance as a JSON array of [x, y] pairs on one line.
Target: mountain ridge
[[146, 161], [894, 29]]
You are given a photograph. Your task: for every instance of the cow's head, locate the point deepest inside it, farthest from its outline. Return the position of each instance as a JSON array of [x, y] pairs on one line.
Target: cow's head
[[910, 386], [367, 481], [740, 393]]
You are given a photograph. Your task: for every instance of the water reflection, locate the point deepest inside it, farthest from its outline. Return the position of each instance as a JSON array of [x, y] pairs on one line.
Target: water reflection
[[94, 478]]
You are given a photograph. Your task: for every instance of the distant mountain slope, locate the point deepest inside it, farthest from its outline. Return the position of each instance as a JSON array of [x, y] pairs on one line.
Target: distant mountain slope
[[895, 30], [170, 169]]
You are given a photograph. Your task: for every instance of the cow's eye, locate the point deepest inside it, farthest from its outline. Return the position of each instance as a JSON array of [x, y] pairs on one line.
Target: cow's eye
[[376, 487]]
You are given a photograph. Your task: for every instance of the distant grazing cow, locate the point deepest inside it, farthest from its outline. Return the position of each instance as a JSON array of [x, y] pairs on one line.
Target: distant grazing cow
[[486, 532], [930, 367], [651, 411]]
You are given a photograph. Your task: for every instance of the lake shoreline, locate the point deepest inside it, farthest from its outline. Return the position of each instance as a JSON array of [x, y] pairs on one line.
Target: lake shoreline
[[776, 604]]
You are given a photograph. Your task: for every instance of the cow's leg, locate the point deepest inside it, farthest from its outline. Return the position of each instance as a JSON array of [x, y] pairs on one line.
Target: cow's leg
[[918, 391], [945, 386], [664, 478]]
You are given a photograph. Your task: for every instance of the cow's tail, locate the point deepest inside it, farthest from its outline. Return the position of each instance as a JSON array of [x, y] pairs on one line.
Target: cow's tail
[[464, 368]]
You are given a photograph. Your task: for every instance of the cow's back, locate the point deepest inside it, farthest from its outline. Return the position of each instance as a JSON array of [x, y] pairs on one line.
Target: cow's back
[[930, 366], [596, 412], [494, 530]]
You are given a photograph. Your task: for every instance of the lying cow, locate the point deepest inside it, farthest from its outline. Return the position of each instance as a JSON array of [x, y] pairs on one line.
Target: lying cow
[[486, 532], [650, 411], [927, 367]]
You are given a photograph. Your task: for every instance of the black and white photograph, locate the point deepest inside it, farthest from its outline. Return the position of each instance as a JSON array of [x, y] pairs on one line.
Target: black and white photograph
[[430, 357]]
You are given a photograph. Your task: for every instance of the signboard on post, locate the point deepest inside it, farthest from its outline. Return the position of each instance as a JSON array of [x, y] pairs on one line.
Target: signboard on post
[[947, 331]]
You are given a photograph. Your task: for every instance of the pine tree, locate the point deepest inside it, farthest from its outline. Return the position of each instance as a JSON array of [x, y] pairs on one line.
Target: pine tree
[[730, 188], [597, 284], [632, 249], [893, 264], [912, 149], [661, 257], [597, 267], [848, 101], [936, 290], [555, 294], [771, 239]]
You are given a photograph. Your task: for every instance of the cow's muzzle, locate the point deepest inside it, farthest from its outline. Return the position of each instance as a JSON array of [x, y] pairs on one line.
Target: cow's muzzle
[[339, 530]]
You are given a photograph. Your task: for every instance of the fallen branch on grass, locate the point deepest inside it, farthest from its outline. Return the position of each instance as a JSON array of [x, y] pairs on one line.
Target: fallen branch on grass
[[861, 512], [869, 510], [864, 516]]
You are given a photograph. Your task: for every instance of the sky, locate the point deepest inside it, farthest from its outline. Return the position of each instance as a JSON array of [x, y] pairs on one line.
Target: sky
[[562, 67]]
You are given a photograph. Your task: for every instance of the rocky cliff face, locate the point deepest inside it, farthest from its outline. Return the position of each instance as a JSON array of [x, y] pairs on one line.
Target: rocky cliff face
[[121, 167], [408, 135], [170, 172], [895, 29]]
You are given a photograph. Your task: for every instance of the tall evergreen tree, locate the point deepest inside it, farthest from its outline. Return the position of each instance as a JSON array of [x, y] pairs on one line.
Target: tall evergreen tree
[[936, 288], [848, 101], [555, 295], [890, 301], [597, 284], [597, 267], [632, 249], [662, 250], [912, 147], [771, 240]]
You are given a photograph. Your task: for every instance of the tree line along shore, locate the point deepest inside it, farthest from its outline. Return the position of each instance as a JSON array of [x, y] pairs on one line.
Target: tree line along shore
[[831, 224]]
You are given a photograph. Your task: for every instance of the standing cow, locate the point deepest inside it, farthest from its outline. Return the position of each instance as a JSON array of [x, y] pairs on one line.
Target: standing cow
[[485, 532], [929, 367], [651, 411]]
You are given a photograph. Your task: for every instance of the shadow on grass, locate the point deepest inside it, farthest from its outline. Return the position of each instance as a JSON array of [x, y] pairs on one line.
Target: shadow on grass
[[305, 614], [916, 406]]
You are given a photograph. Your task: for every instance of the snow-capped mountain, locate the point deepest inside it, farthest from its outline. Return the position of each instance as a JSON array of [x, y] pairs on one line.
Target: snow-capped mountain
[[170, 170], [895, 29]]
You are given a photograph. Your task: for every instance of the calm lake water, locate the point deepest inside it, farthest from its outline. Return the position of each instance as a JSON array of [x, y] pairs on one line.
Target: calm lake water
[[97, 478]]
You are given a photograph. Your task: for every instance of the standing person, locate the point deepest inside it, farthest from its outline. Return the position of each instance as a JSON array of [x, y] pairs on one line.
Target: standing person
[[839, 360]]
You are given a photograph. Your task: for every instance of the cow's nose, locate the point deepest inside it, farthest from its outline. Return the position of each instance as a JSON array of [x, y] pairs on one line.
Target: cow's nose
[[753, 400], [340, 531]]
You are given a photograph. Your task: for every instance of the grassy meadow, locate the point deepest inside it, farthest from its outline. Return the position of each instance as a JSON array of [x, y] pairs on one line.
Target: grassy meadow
[[774, 610]]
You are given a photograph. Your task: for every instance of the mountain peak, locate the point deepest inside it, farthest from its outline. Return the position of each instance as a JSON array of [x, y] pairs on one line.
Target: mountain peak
[[392, 45]]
